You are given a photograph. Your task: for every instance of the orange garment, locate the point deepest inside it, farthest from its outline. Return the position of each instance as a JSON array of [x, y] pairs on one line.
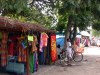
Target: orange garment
[[78, 48], [3, 59], [21, 52], [34, 43]]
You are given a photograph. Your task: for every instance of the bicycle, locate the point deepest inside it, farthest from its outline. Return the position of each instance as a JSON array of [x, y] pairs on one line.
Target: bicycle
[[76, 56]]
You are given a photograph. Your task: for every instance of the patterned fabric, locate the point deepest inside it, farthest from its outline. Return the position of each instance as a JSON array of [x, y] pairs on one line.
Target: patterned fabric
[[3, 59], [53, 48], [35, 62], [4, 49], [21, 52], [34, 43], [43, 41]]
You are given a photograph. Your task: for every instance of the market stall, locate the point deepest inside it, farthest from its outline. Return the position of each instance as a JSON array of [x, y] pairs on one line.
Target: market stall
[[23, 46]]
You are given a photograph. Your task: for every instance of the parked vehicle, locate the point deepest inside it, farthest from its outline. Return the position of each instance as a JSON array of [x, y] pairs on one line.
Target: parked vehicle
[[76, 56]]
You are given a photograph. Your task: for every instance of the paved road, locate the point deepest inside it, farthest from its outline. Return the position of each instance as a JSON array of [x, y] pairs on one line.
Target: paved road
[[89, 66]]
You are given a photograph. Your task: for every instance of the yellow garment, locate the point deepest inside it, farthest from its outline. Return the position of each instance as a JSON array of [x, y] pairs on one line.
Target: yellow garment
[[30, 38]]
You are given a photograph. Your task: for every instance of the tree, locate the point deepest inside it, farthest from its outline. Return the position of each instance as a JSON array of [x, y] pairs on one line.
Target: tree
[[77, 16], [18, 7], [80, 13], [70, 13], [96, 33], [25, 11], [95, 8], [46, 7]]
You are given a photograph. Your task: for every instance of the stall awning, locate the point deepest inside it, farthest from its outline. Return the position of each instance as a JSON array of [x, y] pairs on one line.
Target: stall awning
[[15, 25]]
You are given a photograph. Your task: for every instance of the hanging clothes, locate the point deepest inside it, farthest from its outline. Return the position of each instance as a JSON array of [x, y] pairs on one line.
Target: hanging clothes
[[22, 55], [53, 48], [31, 62], [48, 56], [12, 45], [41, 58], [33, 54], [21, 51], [30, 38], [4, 49], [43, 41], [34, 43], [3, 59], [45, 54], [35, 62], [11, 49]]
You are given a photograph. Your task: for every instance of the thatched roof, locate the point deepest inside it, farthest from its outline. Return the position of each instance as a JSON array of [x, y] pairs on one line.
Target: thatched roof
[[15, 25]]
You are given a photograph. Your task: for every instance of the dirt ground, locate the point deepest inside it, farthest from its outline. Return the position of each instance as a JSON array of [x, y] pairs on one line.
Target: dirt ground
[[89, 66]]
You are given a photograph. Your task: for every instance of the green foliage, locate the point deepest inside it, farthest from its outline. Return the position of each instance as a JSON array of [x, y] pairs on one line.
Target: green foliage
[[96, 33], [18, 7], [96, 26], [21, 10], [95, 8], [84, 12], [62, 23]]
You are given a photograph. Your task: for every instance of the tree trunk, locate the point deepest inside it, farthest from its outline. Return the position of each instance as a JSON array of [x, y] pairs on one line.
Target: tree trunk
[[74, 34], [67, 33]]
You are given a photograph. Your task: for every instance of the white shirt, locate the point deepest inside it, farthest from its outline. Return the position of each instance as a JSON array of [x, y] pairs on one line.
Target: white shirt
[[69, 49], [68, 44]]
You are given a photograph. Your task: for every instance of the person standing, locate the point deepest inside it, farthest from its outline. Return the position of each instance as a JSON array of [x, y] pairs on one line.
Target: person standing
[[58, 51], [69, 52]]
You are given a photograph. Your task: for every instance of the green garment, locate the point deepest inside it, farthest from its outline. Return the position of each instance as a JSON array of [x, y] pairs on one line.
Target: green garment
[[31, 61]]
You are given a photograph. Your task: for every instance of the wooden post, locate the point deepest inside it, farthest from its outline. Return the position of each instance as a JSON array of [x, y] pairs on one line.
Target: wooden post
[[27, 62]]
